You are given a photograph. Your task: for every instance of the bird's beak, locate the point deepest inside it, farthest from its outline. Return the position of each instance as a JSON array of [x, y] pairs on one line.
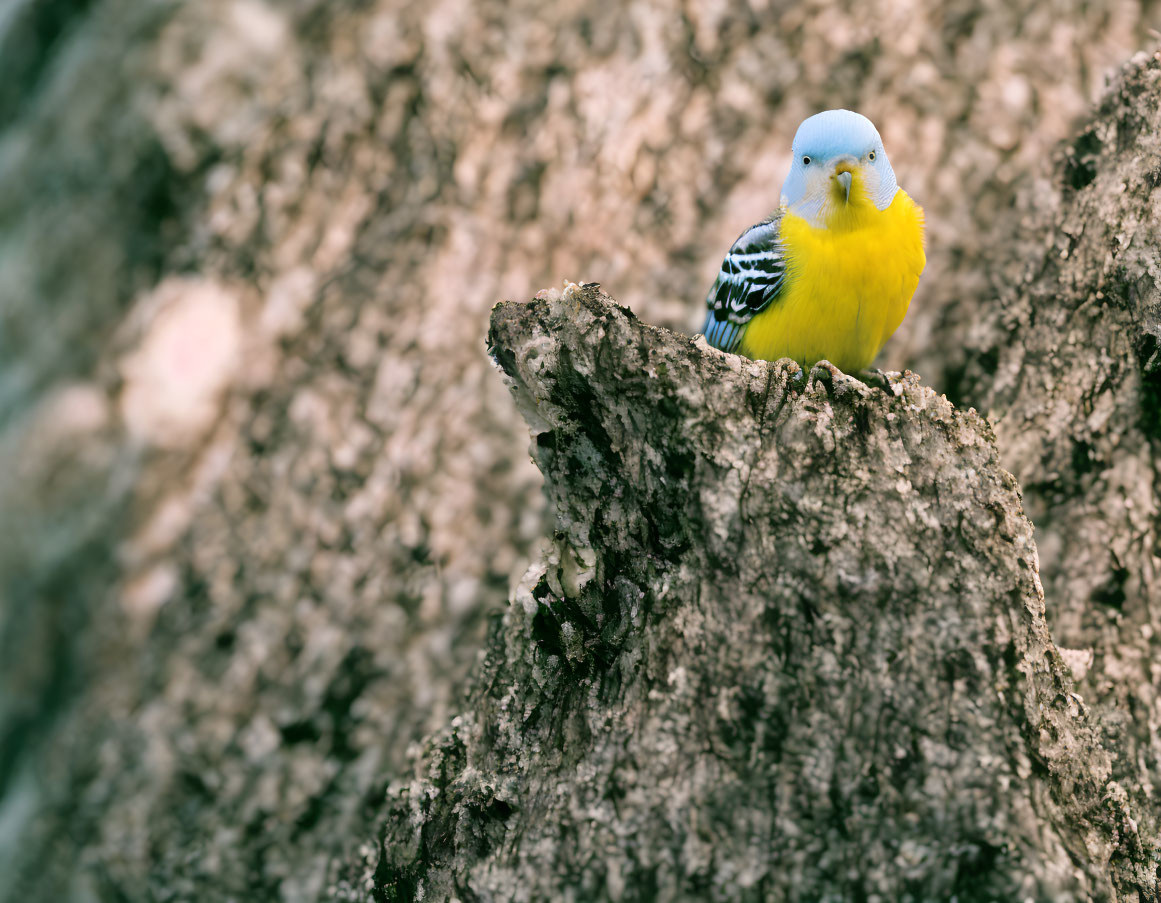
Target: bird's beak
[[844, 168], [844, 179]]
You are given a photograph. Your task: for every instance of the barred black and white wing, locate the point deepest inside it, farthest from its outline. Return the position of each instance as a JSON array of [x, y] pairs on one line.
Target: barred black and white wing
[[751, 277]]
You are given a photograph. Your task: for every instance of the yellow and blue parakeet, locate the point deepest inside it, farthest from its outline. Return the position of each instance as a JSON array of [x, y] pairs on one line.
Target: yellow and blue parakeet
[[830, 275]]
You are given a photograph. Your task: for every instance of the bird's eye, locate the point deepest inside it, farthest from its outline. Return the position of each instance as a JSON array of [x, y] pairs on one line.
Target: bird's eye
[[806, 161], [871, 155]]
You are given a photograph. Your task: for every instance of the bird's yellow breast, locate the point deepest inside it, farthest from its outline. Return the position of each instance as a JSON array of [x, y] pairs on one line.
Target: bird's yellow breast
[[847, 289]]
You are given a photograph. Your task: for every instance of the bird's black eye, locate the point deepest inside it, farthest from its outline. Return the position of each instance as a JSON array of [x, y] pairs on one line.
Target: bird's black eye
[[871, 155], [806, 161]]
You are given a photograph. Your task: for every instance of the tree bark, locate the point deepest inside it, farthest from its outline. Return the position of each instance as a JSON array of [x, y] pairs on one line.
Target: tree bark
[[1067, 360], [787, 642]]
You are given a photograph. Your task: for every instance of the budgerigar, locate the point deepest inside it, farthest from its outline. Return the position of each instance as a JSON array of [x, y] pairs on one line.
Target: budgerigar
[[830, 275]]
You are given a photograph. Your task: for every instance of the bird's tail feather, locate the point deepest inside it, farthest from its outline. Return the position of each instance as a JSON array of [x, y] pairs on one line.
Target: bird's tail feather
[[722, 333]]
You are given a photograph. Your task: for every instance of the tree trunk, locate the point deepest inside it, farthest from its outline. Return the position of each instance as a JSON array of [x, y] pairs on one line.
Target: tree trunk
[[1067, 361], [788, 642]]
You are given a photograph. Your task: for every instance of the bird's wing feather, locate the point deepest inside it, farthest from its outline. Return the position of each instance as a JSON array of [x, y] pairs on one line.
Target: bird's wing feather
[[752, 275]]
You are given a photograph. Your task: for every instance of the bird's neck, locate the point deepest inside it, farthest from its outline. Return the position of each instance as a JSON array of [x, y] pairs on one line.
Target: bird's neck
[[837, 214]]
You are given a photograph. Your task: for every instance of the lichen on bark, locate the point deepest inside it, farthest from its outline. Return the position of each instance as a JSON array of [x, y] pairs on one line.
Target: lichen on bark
[[787, 642]]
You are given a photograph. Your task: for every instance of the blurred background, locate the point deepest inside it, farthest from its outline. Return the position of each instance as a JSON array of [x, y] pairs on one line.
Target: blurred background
[[260, 487]]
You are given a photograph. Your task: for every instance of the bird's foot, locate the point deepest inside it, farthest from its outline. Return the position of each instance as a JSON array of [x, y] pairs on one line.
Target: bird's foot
[[878, 379]]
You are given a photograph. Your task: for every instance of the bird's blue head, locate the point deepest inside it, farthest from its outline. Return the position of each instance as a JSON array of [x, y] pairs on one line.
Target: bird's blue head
[[839, 165]]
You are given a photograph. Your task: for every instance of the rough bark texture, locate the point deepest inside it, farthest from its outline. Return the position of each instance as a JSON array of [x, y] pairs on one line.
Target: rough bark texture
[[240, 575], [787, 643], [1067, 361]]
